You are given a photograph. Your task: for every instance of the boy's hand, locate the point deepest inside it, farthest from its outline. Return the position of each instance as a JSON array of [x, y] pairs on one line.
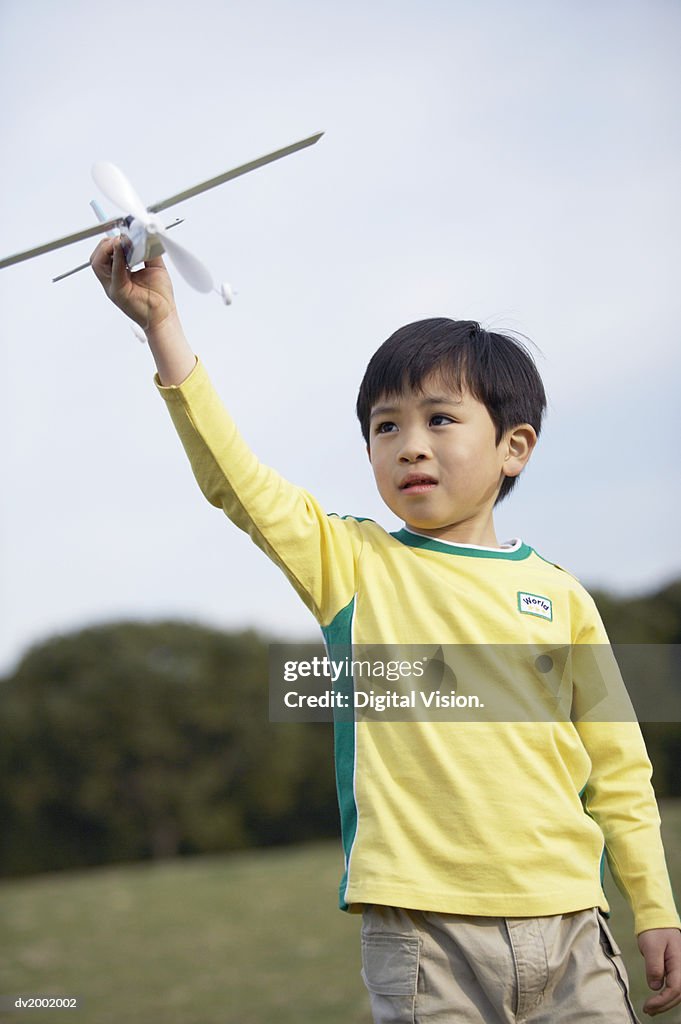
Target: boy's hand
[[661, 949], [145, 296]]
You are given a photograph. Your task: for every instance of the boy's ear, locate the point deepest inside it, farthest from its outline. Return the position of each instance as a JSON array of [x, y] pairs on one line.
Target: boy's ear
[[520, 444]]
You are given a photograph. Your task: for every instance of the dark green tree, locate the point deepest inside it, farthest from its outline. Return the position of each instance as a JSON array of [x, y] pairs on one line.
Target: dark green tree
[[651, 619], [137, 740]]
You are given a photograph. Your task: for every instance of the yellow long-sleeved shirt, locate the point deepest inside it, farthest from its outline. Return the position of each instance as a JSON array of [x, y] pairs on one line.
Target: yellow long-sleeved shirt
[[489, 818]]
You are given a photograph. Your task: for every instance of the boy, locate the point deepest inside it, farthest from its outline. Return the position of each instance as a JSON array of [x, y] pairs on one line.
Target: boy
[[475, 852]]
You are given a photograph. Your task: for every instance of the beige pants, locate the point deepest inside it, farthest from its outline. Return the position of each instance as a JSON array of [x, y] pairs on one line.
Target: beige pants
[[427, 968]]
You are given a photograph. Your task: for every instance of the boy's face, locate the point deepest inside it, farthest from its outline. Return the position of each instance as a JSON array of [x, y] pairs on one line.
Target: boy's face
[[436, 461]]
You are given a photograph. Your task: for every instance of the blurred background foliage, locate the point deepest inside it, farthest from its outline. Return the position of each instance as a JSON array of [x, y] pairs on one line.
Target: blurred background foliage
[[650, 619], [135, 741], [131, 741]]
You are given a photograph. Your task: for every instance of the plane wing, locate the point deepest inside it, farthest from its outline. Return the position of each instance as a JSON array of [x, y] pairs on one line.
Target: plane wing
[[98, 229], [164, 204], [234, 173]]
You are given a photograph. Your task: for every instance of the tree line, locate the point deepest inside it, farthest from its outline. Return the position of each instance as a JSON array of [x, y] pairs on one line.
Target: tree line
[[132, 740]]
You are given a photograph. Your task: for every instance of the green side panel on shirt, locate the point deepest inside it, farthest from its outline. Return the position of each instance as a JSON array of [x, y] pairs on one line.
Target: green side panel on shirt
[[338, 636], [606, 913]]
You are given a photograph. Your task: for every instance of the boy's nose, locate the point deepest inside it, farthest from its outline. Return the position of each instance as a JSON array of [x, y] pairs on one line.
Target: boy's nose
[[414, 450]]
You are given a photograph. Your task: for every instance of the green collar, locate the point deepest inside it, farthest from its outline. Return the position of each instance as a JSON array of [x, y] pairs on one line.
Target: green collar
[[416, 540]]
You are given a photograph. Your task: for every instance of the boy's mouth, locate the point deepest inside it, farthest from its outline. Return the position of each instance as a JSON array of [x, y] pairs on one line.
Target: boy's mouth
[[418, 483]]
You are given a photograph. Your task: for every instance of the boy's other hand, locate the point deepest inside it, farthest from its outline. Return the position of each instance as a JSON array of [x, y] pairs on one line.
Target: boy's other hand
[[661, 949], [146, 296]]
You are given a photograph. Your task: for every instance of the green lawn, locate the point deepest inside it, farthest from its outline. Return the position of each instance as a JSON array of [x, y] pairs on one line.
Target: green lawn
[[240, 939], [237, 939]]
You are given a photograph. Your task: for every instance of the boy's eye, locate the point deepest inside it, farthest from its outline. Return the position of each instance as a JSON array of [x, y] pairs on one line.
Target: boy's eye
[[439, 419], [385, 427]]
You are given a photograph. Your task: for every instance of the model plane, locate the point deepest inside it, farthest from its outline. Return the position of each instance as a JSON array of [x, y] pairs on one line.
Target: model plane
[[143, 233]]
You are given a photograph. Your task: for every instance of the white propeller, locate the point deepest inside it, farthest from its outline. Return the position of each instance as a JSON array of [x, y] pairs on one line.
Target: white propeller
[[118, 190], [192, 269]]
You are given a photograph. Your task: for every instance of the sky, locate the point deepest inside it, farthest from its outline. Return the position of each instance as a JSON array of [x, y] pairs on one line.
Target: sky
[[515, 164]]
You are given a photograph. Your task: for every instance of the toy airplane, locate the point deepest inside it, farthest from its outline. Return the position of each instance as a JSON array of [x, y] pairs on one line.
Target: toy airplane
[[144, 236]]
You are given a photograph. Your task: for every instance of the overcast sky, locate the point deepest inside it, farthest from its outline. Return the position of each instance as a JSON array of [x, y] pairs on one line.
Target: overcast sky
[[515, 163]]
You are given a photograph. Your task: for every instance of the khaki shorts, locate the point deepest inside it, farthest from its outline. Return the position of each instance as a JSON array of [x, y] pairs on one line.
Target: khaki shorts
[[428, 968]]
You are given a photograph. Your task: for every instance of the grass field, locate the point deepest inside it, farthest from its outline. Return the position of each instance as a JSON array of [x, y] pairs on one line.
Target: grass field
[[241, 939]]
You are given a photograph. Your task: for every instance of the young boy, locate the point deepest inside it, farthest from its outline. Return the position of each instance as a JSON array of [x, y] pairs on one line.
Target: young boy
[[474, 851]]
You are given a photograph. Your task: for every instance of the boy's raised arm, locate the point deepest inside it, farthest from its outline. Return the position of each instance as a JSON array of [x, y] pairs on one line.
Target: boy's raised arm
[[318, 553], [147, 298]]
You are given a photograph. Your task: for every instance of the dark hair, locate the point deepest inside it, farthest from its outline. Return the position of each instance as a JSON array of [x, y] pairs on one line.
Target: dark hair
[[497, 370]]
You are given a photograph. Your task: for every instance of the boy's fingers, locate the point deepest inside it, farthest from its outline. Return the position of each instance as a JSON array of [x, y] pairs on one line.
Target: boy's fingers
[[655, 969], [100, 259], [672, 992], [661, 1003], [119, 267], [663, 965], [156, 263]]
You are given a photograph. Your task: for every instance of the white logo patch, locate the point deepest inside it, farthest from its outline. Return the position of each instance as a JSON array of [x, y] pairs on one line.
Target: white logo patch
[[535, 604]]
